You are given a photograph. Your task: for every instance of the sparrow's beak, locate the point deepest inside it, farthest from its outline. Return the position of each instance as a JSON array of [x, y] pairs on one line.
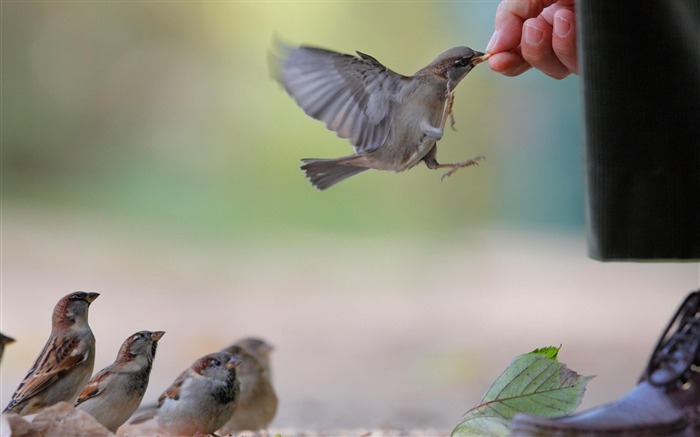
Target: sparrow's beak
[[480, 57], [4, 339], [157, 335], [233, 363], [91, 296]]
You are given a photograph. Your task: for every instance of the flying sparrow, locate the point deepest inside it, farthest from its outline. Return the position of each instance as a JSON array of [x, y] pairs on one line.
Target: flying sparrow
[[258, 402], [115, 392], [4, 339], [393, 121], [203, 398], [64, 364]]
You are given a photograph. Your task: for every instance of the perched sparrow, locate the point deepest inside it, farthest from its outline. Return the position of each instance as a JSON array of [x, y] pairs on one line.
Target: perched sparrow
[[65, 364], [4, 339], [203, 398], [393, 121], [115, 392], [258, 402]]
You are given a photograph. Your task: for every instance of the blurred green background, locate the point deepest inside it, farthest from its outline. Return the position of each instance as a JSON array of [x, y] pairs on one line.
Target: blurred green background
[[163, 116]]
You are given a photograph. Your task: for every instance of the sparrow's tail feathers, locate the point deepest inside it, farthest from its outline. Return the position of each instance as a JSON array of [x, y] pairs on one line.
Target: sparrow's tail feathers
[[324, 173]]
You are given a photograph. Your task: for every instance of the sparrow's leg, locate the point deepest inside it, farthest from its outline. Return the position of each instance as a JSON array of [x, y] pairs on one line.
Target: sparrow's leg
[[457, 165], [447, 111], [431, 162], [435, 132]]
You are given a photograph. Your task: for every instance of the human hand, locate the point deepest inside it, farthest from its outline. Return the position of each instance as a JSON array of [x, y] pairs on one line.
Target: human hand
[[534, 33]]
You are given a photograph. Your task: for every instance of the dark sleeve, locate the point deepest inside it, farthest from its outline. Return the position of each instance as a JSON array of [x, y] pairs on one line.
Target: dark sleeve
[[640, 65]]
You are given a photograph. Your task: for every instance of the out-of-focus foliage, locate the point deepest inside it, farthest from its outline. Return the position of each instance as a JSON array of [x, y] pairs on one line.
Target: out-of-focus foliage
[[164, 115]]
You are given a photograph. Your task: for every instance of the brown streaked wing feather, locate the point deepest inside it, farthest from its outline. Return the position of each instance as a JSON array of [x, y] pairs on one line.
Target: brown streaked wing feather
[[56, 358], [173, 392], [94, 387], [352, 95]]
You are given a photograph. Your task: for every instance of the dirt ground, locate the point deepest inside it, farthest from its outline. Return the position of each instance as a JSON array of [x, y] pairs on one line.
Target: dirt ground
[[369, 333]]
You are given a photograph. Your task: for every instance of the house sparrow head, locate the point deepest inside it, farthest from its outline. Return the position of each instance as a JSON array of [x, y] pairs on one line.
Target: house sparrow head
[[249, 364], [142, 344], [72, 308], [257, 347], [455, 63], [218, 366]]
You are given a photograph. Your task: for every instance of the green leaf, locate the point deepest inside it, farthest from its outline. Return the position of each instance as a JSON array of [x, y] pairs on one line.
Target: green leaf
[[534, 383], [550, 352]]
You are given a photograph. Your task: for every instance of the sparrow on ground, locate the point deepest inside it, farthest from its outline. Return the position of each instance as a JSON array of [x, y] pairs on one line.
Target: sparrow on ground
[[203, 398], [4, 339], [64, 364], [258, 401], [393, 121], [115, 392]]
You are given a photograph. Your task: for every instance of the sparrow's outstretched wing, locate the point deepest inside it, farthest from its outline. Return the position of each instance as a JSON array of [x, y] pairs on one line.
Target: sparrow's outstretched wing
[[352, 95]]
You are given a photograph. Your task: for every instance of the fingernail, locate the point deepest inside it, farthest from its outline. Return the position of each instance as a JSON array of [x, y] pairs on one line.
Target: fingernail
[[492, 42], [533, 35], [561, 26]]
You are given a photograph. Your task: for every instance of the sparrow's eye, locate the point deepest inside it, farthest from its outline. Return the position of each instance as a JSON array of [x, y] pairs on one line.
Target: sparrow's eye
[[215, 362], [463, 62]]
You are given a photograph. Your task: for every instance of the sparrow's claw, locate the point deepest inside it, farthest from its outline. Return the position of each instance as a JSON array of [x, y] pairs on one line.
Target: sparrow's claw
[[457, 165]]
